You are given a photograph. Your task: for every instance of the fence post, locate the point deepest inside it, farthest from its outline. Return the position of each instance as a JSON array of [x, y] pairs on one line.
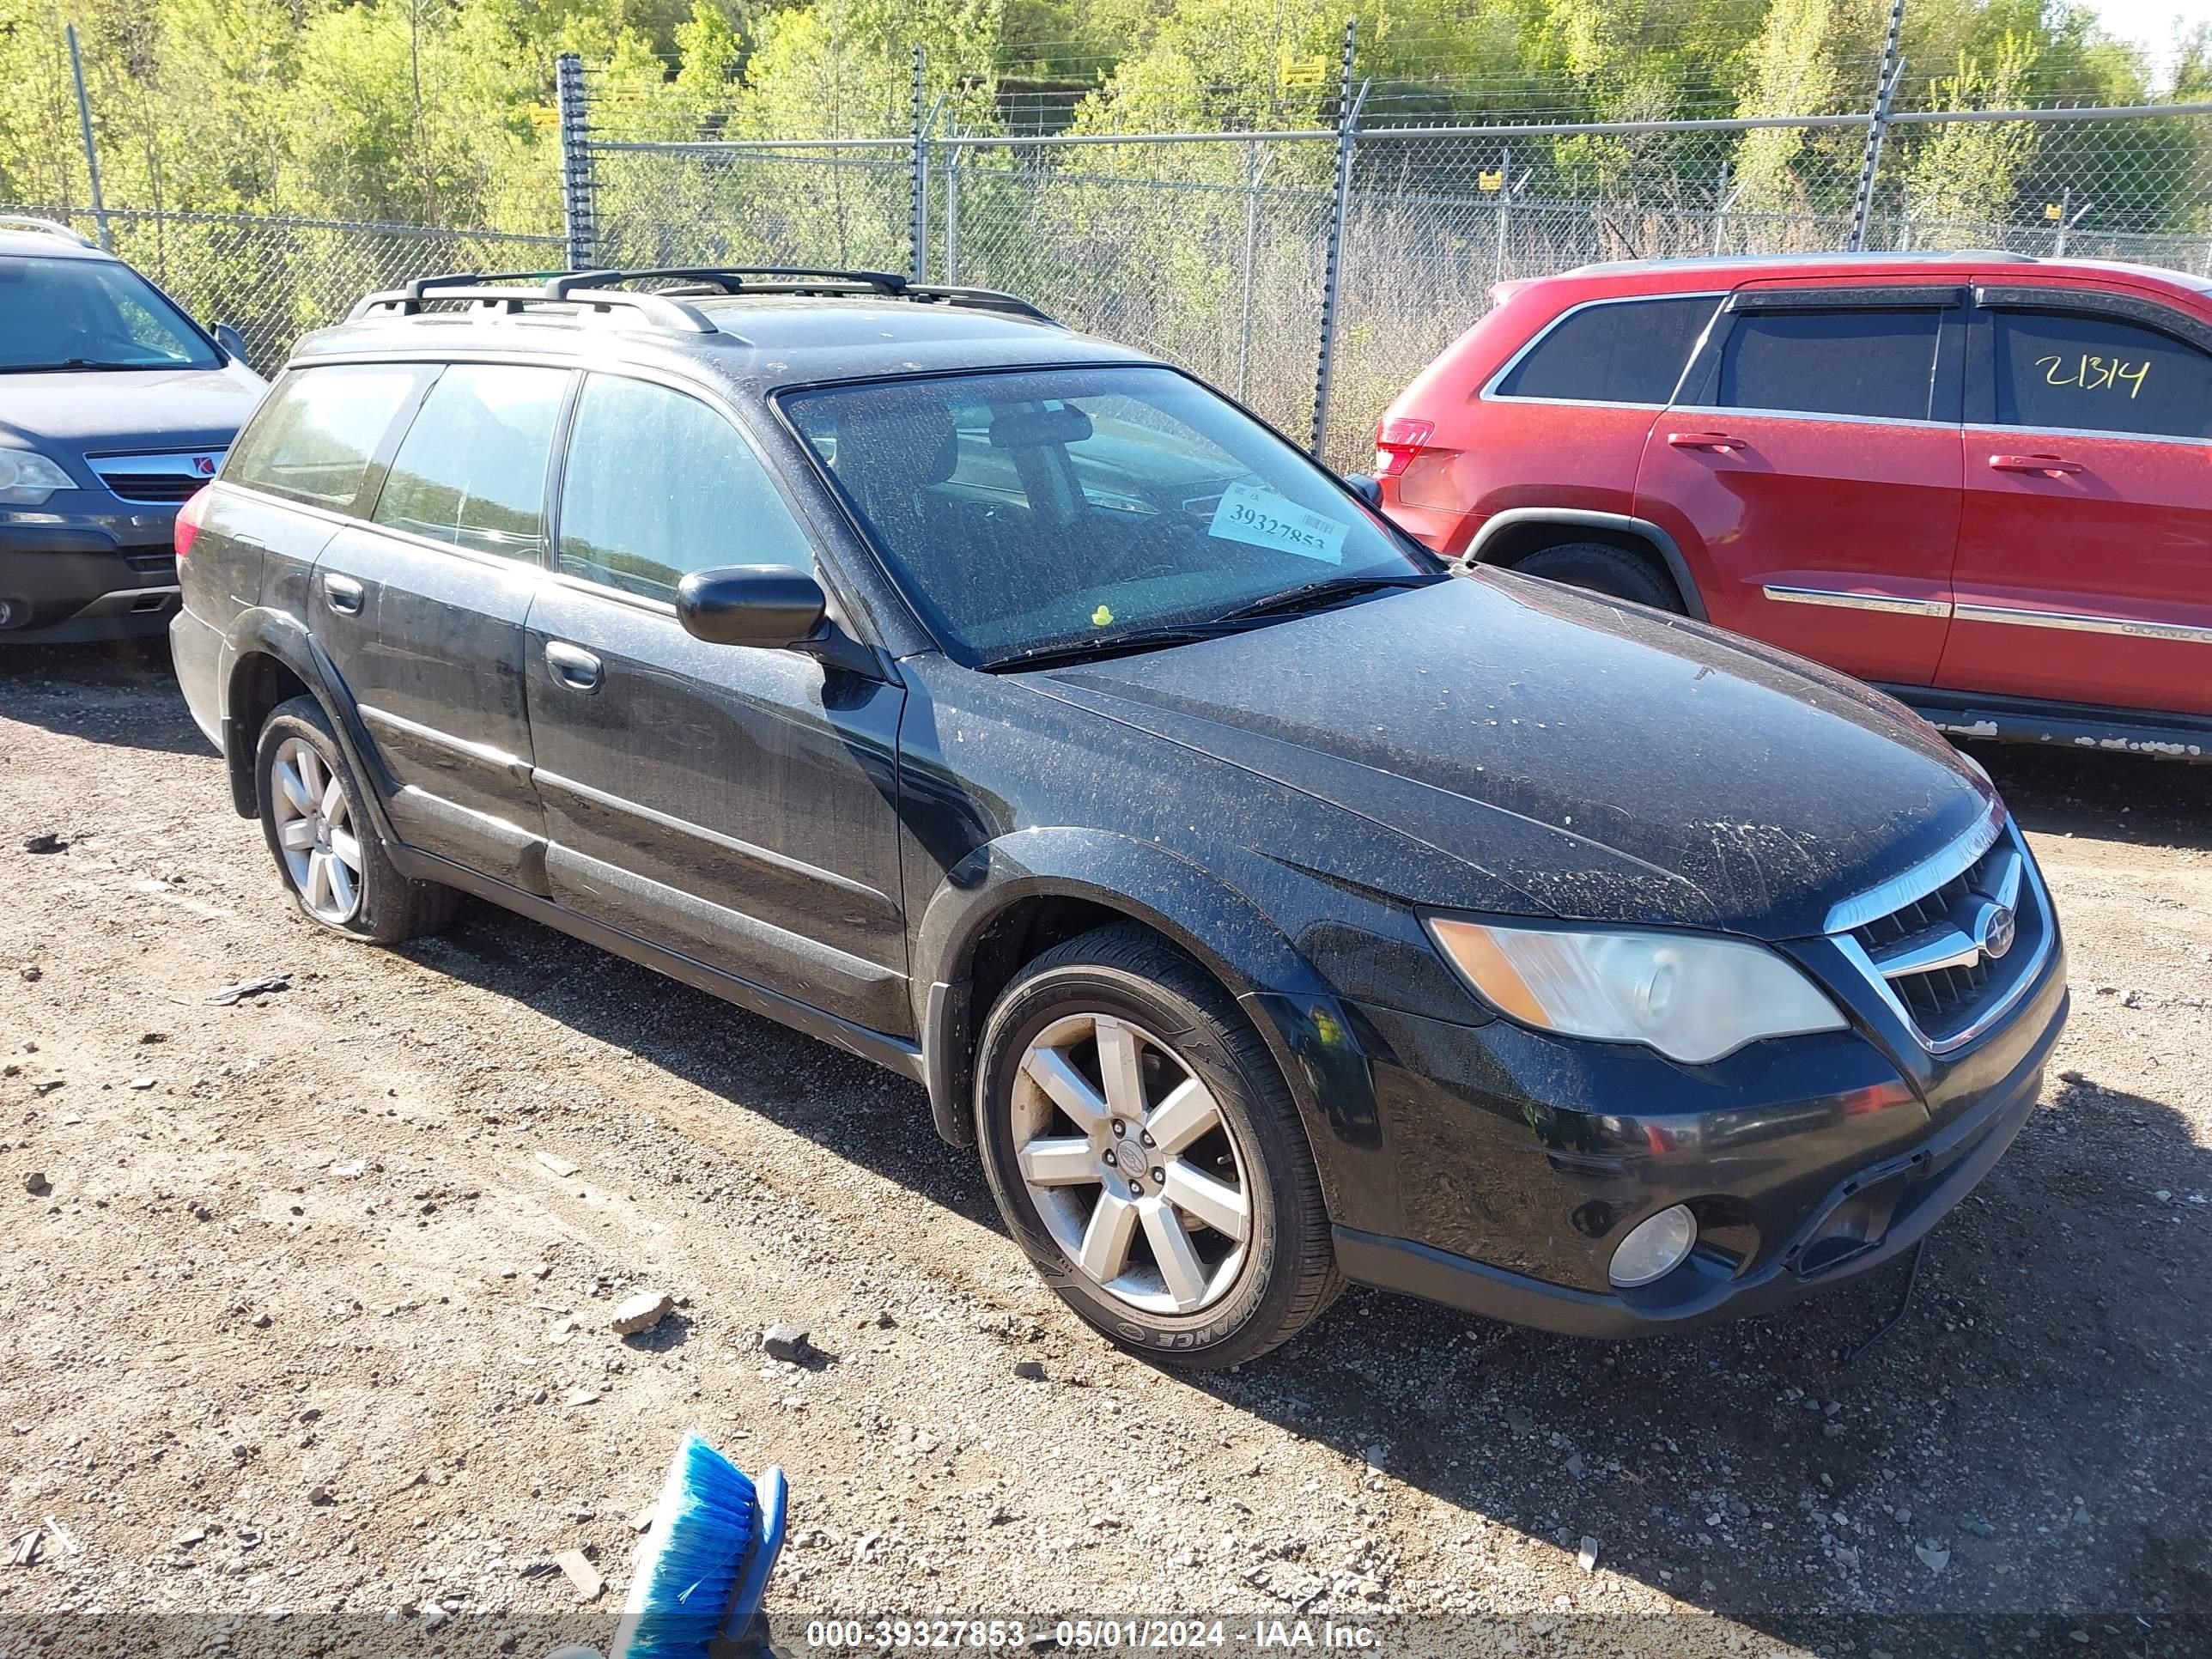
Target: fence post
[[1893, 69], [1251, 255], [577, 221], [1331, 281], [951, 260], [91, 149], [918, 175]]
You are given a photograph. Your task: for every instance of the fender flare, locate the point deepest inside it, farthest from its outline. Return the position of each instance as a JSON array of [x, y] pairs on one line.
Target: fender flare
[[1186, 904], [1621, 523], [264, 632]]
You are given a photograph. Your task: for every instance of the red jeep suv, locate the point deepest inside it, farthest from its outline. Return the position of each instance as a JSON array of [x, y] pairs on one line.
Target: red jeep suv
[[1981, 481]]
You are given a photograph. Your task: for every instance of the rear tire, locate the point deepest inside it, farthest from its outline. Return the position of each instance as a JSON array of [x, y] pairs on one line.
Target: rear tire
[[1601, 567], [326, 845], [1202, 1248]]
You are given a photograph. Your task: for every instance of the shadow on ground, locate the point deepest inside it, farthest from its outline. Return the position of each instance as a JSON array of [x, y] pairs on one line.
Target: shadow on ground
[[123, 692]]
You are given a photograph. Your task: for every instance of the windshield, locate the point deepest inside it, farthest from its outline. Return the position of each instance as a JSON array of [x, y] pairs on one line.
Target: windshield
[[90, 313], [1027, 511]]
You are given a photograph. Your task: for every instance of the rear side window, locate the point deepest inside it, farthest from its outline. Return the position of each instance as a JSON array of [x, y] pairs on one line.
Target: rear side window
[[1879, 364], [2083, 374], [314, 436], [658, 485], [1629, 351], [472, 469]]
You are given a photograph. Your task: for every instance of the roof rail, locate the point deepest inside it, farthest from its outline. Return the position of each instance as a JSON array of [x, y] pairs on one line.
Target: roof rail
[[415, 289], [50, 227], [656, 310], [600, 292], [805, 279], [731, 279], [984, 299]]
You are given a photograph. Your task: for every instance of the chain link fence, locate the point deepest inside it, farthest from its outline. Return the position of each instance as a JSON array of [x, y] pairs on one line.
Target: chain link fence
[[1214, 249], [274, 279]]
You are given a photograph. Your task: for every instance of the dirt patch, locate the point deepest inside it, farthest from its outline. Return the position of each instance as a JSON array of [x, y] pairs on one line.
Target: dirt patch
[[309, 1303]]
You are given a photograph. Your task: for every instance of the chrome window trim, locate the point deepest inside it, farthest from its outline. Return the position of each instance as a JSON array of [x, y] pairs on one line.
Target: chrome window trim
[[1569, 403], [1856, 955], [1925, 876], [1490, 394], [1719, 411], [1894, 605], [2075, 621]]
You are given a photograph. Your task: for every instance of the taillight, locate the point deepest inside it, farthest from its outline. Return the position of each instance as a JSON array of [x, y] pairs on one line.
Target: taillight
[[1397, 440], [188, 523]]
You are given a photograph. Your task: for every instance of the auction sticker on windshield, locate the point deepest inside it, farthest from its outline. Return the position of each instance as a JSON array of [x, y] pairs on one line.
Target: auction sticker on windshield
[[1260, 517]]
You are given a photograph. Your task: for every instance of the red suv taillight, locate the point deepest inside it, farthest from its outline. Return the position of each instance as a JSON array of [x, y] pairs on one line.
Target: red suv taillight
[[1397, 440], [188, 523]]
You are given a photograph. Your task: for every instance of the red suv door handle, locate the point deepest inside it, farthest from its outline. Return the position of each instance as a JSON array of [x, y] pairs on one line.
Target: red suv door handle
[[2050, 466], [1705, 440]]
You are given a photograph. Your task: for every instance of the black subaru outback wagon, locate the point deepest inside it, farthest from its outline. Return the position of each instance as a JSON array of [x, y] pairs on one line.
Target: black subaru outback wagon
[[1270, 904]]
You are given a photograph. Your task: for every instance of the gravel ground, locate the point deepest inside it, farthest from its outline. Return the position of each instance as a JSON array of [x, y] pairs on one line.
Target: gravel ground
[[308, 1298]]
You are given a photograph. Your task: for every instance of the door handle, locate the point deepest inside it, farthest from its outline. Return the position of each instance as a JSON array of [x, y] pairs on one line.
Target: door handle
[[2051, 466], [1705, 440], [343, 594], [574, 666]]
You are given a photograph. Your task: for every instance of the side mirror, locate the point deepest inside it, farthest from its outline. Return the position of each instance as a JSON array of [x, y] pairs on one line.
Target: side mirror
[[771, 606], [1369, 490], [231, 341]]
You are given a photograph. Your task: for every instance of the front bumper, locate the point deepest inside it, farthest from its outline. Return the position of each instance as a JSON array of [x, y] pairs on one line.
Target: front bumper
[[1808, 1161], [66, 577]]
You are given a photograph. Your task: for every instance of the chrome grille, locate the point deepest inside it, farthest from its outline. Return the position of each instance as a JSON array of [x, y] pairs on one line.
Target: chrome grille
[[154, 486], [1934, 956], [157, 478]]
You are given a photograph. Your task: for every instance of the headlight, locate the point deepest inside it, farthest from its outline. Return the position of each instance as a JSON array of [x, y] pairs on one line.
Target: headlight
[[28, 479], [1693, 1000]]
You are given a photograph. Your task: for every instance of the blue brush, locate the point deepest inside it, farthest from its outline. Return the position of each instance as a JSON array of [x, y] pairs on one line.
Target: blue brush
[[712, 1544]]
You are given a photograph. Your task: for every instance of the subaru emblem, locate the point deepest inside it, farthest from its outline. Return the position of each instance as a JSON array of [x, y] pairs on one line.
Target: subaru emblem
[[1998, 927]]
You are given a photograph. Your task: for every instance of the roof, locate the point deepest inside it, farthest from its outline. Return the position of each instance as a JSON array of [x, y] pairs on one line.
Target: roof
[[758, 341], [1916, 261], [21, 237]]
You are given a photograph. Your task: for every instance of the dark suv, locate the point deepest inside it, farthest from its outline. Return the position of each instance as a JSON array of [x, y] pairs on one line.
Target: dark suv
[[1009, 708], [114, 407]]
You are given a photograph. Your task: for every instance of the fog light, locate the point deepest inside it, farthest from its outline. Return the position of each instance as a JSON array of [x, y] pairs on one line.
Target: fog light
[[1654, 1248]]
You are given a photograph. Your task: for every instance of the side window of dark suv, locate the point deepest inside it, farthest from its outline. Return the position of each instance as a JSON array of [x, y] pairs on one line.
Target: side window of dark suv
[[472, 469], [658, 485], [1617, 351], [313, 439], [2073, 372]]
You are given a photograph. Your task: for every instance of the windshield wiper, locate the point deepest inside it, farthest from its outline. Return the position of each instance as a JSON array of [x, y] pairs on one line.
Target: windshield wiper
[[1309, 595], [77, 365], [1068, 651]]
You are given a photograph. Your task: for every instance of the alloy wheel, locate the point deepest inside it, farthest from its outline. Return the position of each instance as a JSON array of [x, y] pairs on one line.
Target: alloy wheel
[[315, 832], [1132, 1164]]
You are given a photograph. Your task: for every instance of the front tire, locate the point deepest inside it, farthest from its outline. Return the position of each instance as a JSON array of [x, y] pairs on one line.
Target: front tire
[[316, 825], [1146, 1153]]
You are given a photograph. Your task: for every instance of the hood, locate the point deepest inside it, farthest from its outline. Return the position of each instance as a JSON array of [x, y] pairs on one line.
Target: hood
[[146, 409], [1609, 764]]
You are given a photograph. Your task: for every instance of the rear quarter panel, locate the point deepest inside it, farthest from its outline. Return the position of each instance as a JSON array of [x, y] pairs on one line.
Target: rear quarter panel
[[1490, 455]]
